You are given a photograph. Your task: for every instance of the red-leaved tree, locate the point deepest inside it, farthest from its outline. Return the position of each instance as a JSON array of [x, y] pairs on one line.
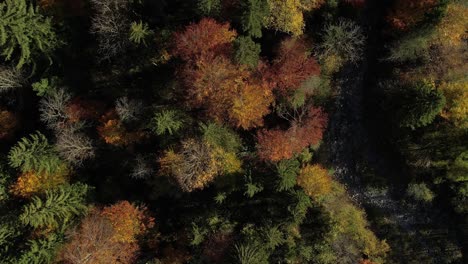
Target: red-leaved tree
[[275, 145], [292, 66]]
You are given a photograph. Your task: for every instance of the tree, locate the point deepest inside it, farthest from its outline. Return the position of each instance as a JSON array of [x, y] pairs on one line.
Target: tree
[[34, 154], [73, 146], [287, 15], [8, 124], [419, 104], [251, 105], [292, 66], [36, 183], [58, 207], [307, 129], [212, 84], [247, 52], [315, 181], [249, 253], [221, 136], [344, 40], [287, 171], [127, 109], [253, 17], [193, 167], [350, 237], [42, 250], [127, 220], [80, 109], [113, 131], [111, 26], [91, 242], [23, 30], [10, 79], [204, 38], [456, 94], [52, 108], [209, 7], [167, 122], [420, 192], [139, 31]]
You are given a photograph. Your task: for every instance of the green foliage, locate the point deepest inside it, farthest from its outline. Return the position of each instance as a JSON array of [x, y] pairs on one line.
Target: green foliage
[[247, 51], [23, 30], [5, 180], [287, 170], [42, 250], [412, 46], [139, 31], [167, 122], [220, 197], [58, 207], [249, 253], [420, 104], [458, 170], [253, 16], [221, 136], [34, 154], [7, 235], [274, 237], [420, 192], [209, 7], [303, 203], [199, 235], [45, 86]]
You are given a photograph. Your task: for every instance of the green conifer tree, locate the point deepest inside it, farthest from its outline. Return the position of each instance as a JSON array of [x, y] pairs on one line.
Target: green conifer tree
[[57, 207], [23, 30]]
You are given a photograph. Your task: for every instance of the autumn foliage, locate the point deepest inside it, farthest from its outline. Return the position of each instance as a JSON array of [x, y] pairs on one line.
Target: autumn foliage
[[108, 235], [203, 39], [7, 124], [228, 92], [92, 242], [276, 144], [315, 180], [30, 183], [292, 66], [79, 109], [113, 131]]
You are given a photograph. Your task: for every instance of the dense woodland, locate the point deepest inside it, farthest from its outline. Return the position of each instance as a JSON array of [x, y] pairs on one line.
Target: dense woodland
[[233, 131]]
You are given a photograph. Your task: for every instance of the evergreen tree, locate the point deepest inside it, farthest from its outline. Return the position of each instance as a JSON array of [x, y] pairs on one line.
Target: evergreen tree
[[34, 154], [167, 122], [138, 32], [247, 51], [420, 104], [57, 207], [253, 17], [42, 250], [24, 30], [209, 7]]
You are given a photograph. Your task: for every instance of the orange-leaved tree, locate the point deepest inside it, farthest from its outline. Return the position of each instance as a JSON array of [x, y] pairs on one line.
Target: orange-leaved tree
[[205, 38], [7, 124], [306, 130], [92, 242], [292, 66], [129, 221], [407, 13]]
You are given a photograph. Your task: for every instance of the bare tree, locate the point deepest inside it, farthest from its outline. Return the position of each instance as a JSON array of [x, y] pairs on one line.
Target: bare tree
[[128, 110], [73, 146], [10, 79], [52, 108], [111, 26], [142, 168]]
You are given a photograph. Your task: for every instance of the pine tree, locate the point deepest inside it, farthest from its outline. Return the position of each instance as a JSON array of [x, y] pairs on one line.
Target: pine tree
[[57, 207], [167, 122], [24, 30], [41, 250], [253, 17], [34, 154], [138, 32], [287, 170], [247, 51]]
